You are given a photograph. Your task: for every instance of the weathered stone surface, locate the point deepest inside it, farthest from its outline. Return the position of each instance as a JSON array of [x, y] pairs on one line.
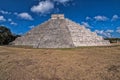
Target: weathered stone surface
[[60, 32]]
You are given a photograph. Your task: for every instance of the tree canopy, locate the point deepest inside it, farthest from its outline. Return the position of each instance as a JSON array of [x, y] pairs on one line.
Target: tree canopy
[[113, 40], [6, 36]]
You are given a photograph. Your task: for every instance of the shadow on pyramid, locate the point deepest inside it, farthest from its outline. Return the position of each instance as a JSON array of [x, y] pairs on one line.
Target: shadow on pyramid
[[60, 32]]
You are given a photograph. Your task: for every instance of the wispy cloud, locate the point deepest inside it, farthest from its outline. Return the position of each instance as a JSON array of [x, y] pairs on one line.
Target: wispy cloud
[[2, 18], [5, 12], [12, 22], [86, 24], [43, 7], [62, 1], [105, 33], [25, 16], [32, 26], [15, 13], [9, 20], [88, 18], [101, 18], [115, 17], [118, 30], [109, 31]]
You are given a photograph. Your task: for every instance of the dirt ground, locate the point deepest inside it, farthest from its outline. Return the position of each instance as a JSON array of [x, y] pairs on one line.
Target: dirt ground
[[89, 63]]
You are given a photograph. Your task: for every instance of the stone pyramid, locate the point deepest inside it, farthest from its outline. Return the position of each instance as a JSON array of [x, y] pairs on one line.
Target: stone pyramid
[[60, 32]]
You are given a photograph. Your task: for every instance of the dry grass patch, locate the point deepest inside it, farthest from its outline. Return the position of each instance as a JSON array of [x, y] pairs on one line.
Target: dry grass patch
[[92, 63]]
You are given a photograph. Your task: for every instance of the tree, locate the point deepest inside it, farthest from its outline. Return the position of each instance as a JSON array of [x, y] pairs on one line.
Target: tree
[[113, 40], [6, 36]]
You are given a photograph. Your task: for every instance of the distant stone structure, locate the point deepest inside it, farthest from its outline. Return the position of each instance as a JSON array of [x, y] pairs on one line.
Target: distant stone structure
[[60, 32]]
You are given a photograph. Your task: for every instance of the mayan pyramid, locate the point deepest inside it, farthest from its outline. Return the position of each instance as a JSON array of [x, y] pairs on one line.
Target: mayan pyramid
[[60, 32]]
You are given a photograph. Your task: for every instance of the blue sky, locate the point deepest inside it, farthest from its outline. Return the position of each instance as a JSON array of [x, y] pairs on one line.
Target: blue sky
[[101, 16]]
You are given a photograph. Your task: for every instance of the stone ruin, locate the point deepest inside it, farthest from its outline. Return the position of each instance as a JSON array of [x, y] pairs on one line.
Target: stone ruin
[[59, 16], [60, 32]]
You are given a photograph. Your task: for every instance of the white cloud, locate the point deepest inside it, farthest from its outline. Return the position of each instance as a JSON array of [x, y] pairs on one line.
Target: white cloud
[[4, 12], [62, 1], [25, 16], [88, 18], [13, 23], [100, 18], [109, 31], [9, 20], [32, 26], [2, 18], [104, 33], [86, 24], [47, 6], [118, 30], [15, 13], [99, 31], [43, 7], [115, 17]]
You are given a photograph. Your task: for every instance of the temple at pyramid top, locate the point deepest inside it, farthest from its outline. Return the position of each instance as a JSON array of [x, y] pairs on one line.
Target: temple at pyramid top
[[57, 16]]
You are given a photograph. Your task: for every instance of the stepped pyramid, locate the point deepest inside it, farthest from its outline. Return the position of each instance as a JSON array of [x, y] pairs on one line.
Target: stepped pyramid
[[60, 32]]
